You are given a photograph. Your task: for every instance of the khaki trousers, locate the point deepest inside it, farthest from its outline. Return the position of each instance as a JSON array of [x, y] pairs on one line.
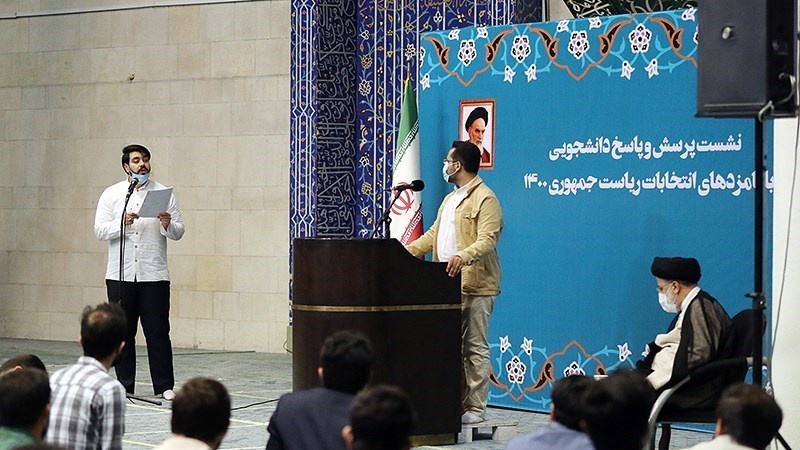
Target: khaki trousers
[[475, 312]]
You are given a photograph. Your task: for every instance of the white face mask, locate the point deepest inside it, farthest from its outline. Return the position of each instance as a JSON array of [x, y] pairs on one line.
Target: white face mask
[[666, 303], [446, 175], [140, 178]]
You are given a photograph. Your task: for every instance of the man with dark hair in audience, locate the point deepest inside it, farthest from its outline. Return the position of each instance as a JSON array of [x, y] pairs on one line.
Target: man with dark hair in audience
[[24, 407], [747, 418], [617, 409], [566, 412], [313, 419], [20, 362], [381, 418], [201, 413], [88, 404]]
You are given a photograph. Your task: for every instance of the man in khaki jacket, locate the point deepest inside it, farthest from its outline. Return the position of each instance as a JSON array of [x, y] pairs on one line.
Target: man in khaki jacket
[[465, 235]]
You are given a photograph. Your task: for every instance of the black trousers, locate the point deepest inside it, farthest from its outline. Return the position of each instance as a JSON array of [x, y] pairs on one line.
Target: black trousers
[[148, 301]]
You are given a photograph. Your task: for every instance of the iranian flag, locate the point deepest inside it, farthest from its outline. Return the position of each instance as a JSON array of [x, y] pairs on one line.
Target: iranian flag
[[406, 213]]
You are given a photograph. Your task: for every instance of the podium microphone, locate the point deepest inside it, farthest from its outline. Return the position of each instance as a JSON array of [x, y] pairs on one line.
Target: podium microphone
[[416, 186], [132, 186]]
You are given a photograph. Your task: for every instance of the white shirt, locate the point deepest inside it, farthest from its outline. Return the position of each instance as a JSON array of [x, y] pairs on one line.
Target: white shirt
[[446, 246], [178, 442], [669, 342], [145, 240], [722, 442]]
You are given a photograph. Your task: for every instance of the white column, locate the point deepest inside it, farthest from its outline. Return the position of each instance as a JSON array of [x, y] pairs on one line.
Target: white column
[[786, 270]]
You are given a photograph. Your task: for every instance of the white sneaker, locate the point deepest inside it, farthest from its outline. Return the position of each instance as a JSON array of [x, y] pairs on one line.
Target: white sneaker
[[168, 395], [470, 417]]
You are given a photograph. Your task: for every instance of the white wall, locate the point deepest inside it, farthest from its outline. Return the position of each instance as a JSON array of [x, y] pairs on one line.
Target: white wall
[[209, 98], [784, 304]]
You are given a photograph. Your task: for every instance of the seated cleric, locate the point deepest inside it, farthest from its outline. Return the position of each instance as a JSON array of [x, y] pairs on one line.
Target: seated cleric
[[698, 333]]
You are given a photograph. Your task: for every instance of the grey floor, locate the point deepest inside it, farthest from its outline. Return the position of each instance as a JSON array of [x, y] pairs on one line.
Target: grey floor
[[255, 381]]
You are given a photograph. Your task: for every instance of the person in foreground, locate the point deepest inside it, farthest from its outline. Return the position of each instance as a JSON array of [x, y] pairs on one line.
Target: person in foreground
[[24, 407], [698, 333], [313, 419], [465, 235], [143, 289], [616, 411], [87, 403], [381, 418], [747, 418], [566, 414], [201, 413]]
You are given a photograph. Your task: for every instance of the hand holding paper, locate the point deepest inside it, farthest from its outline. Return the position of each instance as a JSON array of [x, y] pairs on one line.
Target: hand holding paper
[[155, 202]]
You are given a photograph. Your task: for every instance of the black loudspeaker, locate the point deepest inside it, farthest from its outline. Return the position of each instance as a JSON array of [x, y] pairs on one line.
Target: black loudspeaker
[[747, 57]]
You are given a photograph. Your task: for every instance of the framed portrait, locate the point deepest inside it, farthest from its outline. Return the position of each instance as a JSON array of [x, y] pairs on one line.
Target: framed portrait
[[476, 124]]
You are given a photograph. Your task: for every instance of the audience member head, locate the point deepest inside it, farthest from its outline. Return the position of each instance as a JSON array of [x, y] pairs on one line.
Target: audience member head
[[22, 361], [103, 331], [25, 400], [346, 361], [617, 409], [381, 418], [567, 400], [468, 154], [748, 415], [202, 410]]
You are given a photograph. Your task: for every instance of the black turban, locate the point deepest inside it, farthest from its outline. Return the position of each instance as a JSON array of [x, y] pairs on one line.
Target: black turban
[[478, 113], [678, 269]]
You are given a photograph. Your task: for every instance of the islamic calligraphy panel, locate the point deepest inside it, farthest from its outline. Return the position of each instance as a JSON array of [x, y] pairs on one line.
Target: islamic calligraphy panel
[[336, 115]]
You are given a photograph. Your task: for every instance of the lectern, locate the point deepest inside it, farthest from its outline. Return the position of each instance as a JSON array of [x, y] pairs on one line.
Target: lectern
[[409, 308]]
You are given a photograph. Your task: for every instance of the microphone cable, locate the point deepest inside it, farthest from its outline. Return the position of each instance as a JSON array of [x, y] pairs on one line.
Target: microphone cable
[[272, 400]]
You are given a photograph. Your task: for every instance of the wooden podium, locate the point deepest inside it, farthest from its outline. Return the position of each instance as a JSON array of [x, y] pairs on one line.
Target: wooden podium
[[409, 308]]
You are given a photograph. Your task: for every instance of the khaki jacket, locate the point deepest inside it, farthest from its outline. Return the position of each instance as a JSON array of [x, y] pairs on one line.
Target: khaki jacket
[[478, 224]]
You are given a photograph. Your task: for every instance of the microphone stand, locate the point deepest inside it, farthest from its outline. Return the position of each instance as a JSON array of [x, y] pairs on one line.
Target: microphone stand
[[758, 297], [122, 277], [386, 218], [122, 241]]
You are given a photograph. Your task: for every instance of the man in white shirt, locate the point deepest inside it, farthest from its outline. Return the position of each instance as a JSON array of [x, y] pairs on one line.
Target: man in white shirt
[[747, 418], [465, 235], [201, 413], [143, 288]]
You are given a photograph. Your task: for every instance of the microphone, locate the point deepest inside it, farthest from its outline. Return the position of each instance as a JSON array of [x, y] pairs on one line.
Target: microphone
[[416, 186], [132, 186]]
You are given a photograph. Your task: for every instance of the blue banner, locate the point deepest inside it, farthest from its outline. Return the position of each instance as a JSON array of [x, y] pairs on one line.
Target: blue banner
[[600, 165]]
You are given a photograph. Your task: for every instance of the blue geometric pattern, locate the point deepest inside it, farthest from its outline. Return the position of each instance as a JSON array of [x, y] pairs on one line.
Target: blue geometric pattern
[[302, 153], [622, 46]]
